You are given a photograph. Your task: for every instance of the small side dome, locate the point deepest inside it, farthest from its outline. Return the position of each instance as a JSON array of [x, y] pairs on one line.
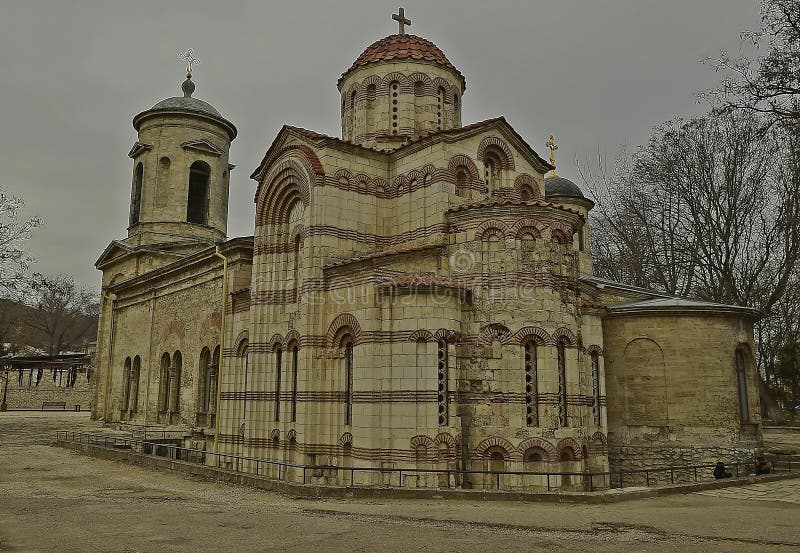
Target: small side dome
[[186, 104], [559, 186]]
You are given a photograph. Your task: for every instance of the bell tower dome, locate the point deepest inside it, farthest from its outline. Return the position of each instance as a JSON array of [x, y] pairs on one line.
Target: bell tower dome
[[181, 171], [400, 88]]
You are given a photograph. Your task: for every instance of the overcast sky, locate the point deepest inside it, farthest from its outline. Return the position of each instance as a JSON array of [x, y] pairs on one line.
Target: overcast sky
[[596, 73]]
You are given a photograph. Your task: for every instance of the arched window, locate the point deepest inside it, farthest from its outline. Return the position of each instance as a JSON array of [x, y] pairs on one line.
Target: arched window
[[295, 352], [462, 178], [162, 182], [136, 194], [136, 369], [394, 91], [440, 108], [419, 105], [212, 381], [740, 357], [348, 393], [175, 383], [492, 171], [295, 218], [203, 381], [531, 385], [278, 370], [562, 383], [126, 384], [197, 204], [370, 108], [596, 388], [242, 365], [163, 383], [443, 371], [534, 459], [353, 114]]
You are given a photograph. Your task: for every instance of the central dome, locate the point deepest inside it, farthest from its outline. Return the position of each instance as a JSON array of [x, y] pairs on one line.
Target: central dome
[[403, 47]]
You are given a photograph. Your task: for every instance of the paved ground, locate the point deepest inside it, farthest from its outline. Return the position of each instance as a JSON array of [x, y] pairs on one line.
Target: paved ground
[[55, 500]]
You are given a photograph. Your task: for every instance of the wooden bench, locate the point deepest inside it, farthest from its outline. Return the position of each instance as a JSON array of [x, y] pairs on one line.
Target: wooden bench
[[47, 405]]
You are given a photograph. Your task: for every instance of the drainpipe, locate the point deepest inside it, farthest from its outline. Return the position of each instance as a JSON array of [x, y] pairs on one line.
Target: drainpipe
[[113, 299], [221, 344]]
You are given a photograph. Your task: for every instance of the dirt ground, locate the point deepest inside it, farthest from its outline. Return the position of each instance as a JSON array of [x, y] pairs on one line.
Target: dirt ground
[[55, 500]]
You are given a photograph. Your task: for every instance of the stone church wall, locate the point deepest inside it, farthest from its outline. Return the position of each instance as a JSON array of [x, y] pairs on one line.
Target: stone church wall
[[24, 392], [672, 390]]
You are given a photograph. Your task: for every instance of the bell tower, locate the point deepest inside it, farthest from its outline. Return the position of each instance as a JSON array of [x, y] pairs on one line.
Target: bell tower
[[181, 171]]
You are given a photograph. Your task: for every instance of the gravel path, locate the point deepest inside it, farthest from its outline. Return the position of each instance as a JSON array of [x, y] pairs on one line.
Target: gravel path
[[55, 500]]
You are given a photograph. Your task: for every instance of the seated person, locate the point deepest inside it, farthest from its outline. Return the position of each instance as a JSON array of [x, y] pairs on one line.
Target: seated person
[[763, 466], [720, 472]]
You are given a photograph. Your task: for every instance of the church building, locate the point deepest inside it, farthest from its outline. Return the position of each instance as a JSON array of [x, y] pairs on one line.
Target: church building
[[418, 293]]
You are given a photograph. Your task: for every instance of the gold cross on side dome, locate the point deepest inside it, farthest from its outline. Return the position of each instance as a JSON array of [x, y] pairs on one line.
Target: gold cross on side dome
[[190, 59], [552, 146], [400, 17]]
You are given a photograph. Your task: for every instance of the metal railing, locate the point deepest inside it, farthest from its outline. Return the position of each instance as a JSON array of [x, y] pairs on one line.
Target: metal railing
[[446, 477]]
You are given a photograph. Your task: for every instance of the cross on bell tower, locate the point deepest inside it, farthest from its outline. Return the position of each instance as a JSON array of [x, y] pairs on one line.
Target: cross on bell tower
[[400, 17], [552, 146]]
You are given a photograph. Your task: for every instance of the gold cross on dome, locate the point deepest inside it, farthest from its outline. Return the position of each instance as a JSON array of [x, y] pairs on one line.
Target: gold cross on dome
[[190, 59], [552, 146], [400, 17]]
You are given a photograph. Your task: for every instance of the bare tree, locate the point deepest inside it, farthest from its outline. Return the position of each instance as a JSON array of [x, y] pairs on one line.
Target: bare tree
[[709, 208], [767, 83], [14, 231], [64, 314]]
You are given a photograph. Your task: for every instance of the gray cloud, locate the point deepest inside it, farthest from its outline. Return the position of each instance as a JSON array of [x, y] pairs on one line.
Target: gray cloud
[[73, 74]]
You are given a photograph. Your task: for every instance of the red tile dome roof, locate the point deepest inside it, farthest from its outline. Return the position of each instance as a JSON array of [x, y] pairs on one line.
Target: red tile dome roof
[[403, 47]]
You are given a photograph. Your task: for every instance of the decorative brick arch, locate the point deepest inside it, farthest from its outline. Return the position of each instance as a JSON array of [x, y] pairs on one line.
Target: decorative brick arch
[[495, 442], [446, 439], [419, 440], [534, 334], [379, 184], [399, 183], [275, 434], [401, 79], [449, 336], [569, 443], [417, 77], [527, 224], [594, 349], [565, 335], [421, 336], [286, 183], [240, 340], [291, 435], [489, 226], [342, 174], [439, 82], [346, 439], [494, 331], [539, 443], [292, 336], [560, 237], [460, 160], [349, 97], [598, 443], [414, 176], [344, 320], [371, 80], [276, 341], [361, 181], [525, 182], [492, 142]]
